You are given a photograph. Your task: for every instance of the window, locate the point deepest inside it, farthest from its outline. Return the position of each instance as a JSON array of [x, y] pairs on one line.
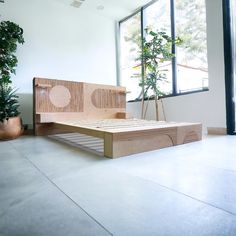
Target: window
[[229, 23], [188, 70], [157, 17], [130, 43], [190, 25], [233, 54], [233, 40]]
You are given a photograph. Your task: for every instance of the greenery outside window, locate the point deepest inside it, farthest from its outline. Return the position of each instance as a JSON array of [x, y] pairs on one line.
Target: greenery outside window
[[188, 70], [130, 43], [157, 17]]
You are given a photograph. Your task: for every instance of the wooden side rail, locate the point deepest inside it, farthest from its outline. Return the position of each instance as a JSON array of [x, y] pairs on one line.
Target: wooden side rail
[[126, 137]]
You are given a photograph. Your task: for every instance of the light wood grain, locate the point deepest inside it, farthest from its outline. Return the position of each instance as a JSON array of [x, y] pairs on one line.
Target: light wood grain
[[42, 95], [128, 136], [216, 130], [84, 101], [108, 98], [123, 115], [43, 85], [100, 111]]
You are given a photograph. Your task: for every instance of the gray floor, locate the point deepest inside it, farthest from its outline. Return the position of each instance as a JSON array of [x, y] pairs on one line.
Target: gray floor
[[48, 188]]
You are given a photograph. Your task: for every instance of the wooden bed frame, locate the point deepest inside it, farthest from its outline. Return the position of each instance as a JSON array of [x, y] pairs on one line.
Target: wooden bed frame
[[100, 111]]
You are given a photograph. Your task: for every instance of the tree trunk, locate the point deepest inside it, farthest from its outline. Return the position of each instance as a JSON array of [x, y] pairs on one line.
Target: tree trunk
[[156, 106]]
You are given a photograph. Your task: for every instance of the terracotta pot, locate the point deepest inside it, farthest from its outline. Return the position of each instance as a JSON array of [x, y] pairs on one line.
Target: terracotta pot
[[11, 128]]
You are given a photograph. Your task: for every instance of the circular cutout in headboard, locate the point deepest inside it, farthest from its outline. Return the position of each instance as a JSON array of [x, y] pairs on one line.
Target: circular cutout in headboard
[[59, 96]]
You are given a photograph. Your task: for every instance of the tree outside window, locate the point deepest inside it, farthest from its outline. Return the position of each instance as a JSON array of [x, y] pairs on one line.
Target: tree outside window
[[188, 70]]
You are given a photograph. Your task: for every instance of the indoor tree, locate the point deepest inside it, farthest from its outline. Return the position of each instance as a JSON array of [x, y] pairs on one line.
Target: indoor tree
[[156, 49], [11, 35]]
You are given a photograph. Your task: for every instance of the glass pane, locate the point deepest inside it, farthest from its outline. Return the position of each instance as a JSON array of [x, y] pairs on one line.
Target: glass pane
[[130, 44], [192, 67], [157, 18]]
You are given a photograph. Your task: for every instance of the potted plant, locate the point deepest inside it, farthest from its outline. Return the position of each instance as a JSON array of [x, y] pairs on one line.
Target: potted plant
[[10, 122], [11, 35], [156, 50]]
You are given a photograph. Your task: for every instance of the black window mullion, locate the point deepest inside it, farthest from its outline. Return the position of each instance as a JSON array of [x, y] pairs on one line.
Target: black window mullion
[[174, 66], [142, 36], [229, 78]]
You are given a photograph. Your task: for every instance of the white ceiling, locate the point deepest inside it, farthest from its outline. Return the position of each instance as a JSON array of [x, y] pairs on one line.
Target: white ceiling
[[114, 9]]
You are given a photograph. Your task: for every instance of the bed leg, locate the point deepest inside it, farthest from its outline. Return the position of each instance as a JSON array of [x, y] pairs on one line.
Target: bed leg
[[108, 145]]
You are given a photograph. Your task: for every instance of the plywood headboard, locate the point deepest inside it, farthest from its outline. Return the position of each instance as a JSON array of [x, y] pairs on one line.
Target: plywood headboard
[[60, 100]]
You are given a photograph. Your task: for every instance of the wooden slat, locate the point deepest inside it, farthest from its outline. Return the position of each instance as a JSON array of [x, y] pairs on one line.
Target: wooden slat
[[84, 142]]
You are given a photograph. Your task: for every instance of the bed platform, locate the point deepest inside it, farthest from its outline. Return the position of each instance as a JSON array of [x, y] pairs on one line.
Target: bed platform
[[94, 118]]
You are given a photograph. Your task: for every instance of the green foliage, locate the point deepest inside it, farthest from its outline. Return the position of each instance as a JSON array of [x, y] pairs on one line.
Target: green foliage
[[8, 102], [133, 32], [156, 50], [10, 35], [191, 27]]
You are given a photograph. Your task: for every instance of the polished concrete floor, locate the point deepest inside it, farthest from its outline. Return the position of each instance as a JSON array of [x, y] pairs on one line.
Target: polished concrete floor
[[48, 188]]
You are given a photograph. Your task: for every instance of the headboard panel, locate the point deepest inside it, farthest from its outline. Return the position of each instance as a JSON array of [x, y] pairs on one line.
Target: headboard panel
[[58, 96], [107, 98], [60, 100]]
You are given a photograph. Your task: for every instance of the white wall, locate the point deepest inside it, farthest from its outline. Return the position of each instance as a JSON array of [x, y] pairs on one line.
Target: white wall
[[68, 43], [205, 107], [61, 42]]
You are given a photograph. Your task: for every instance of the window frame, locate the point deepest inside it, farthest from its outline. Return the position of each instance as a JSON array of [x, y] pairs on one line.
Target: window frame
[[228, 62], [174, 60]]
